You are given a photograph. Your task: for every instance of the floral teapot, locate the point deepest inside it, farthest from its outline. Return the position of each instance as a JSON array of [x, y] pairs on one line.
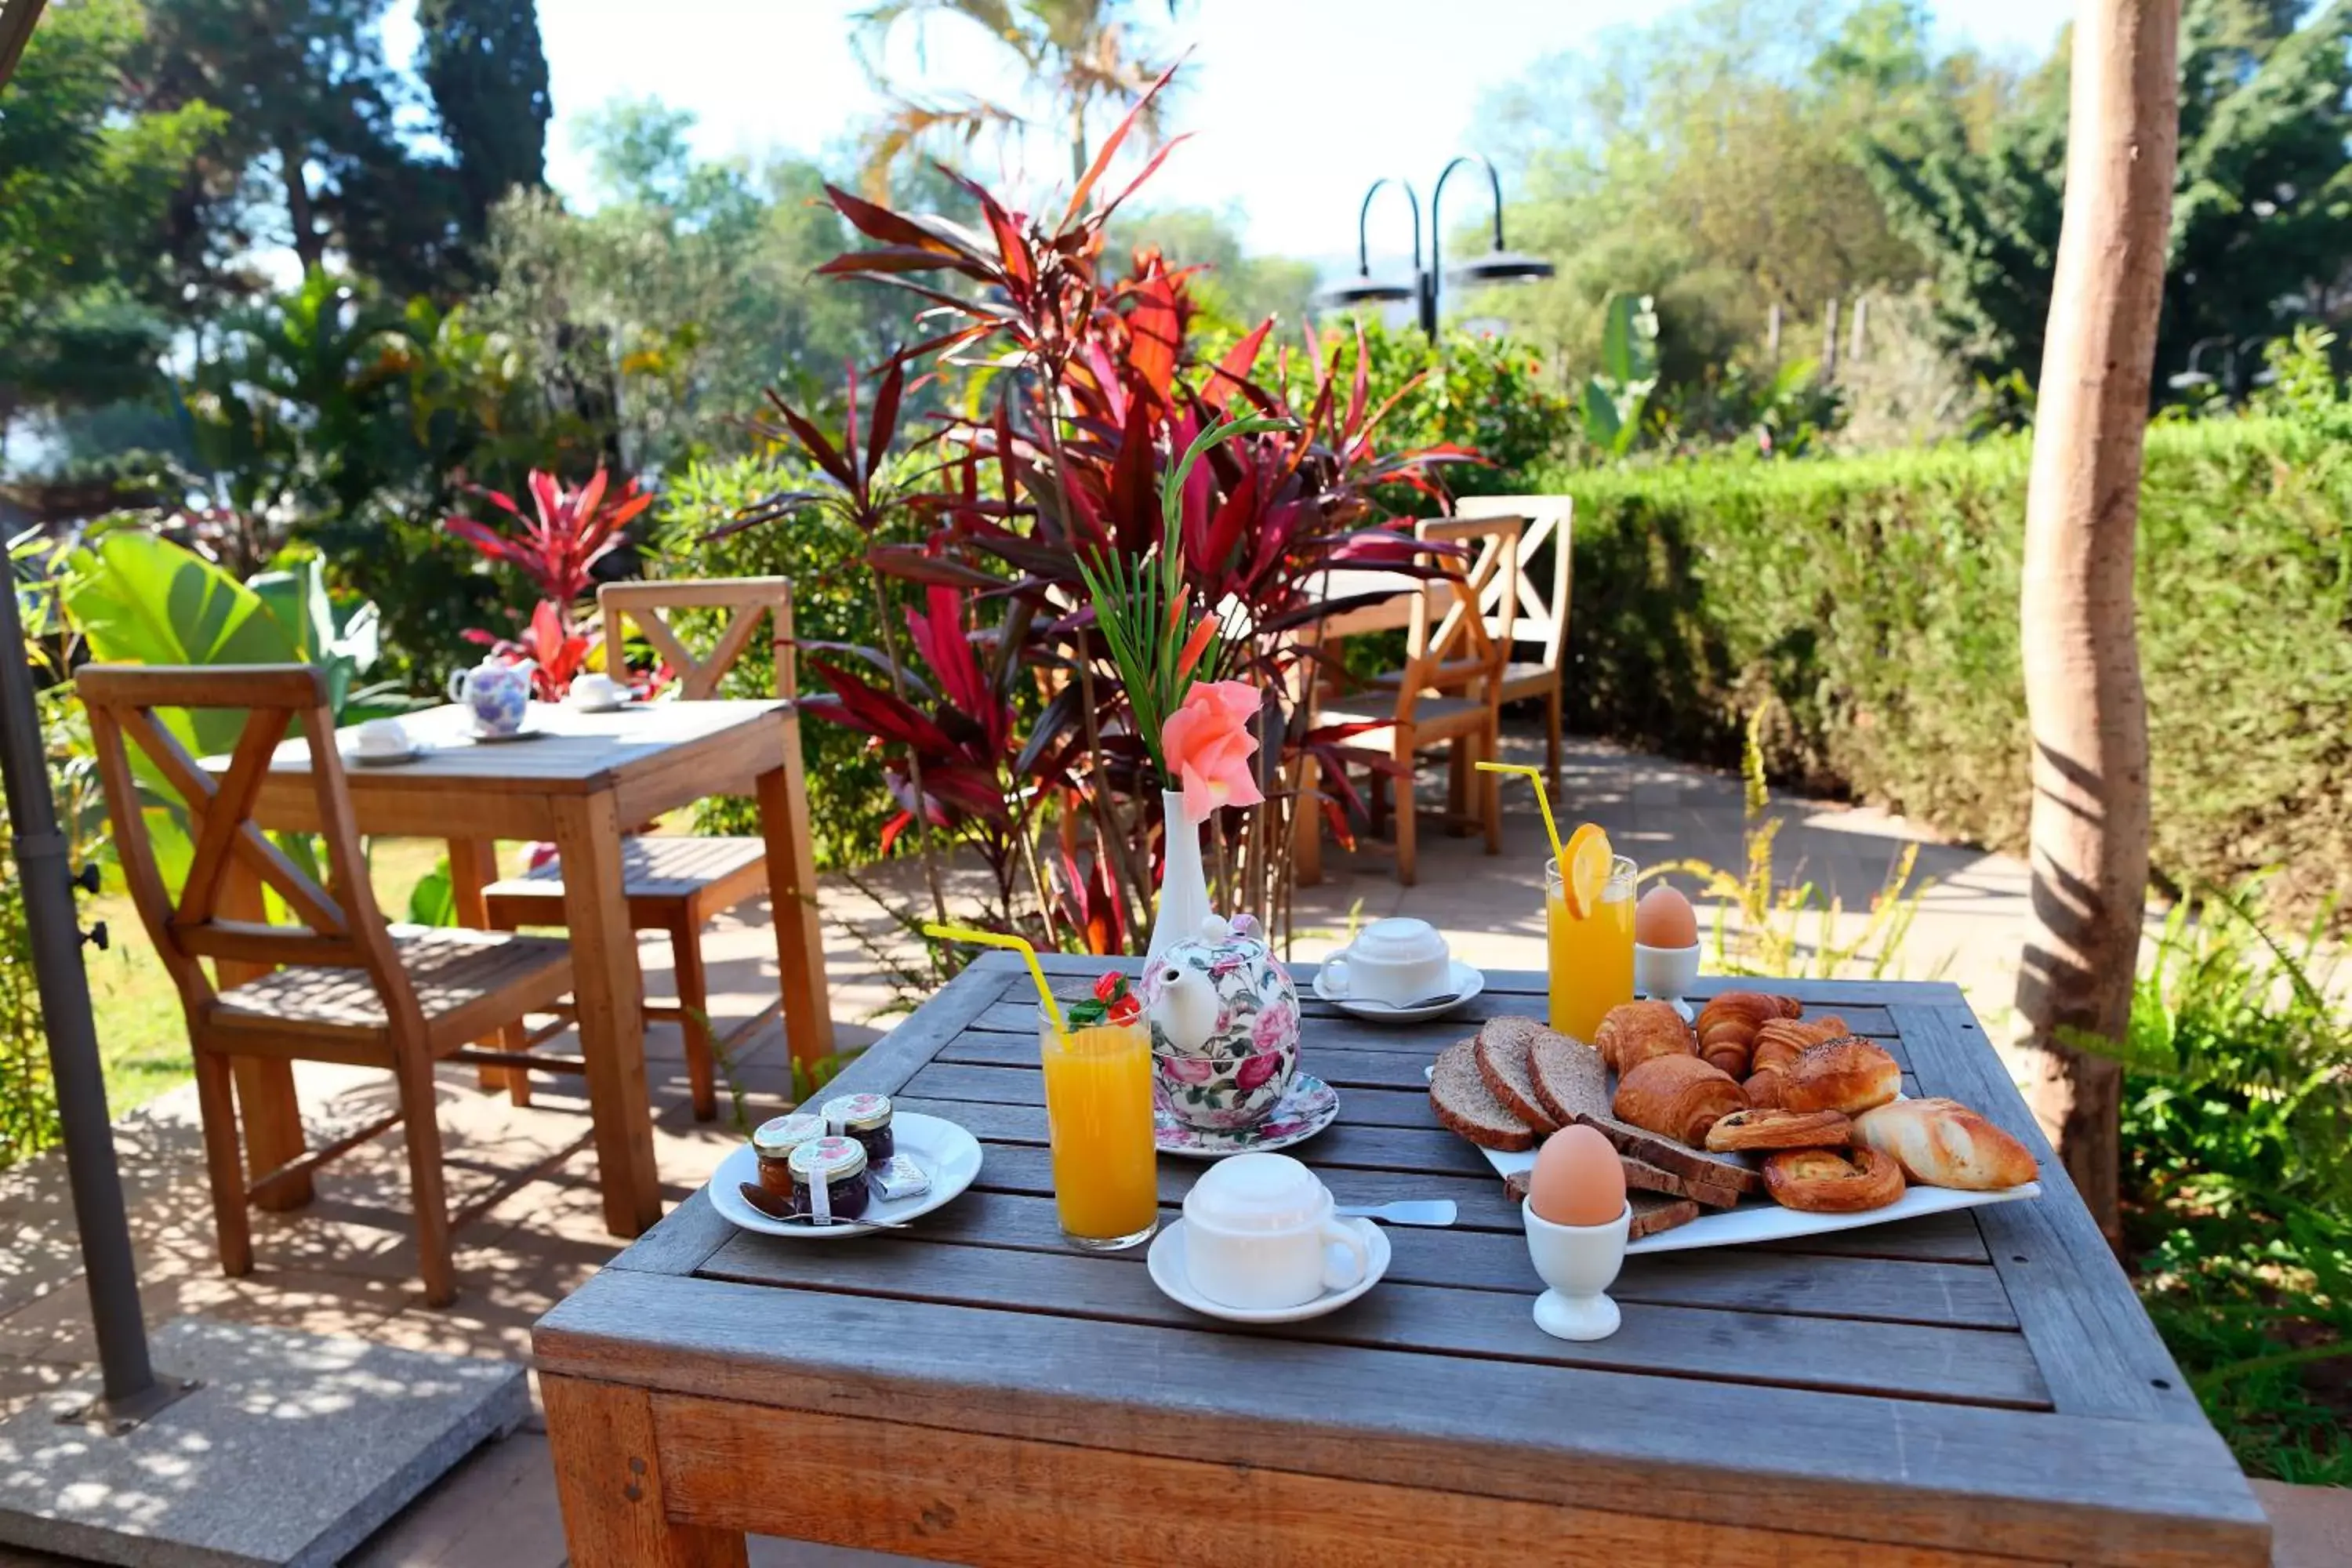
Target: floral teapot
[[1224, 1024]]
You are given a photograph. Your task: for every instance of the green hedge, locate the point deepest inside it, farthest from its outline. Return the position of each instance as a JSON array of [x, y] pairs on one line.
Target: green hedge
[[1876, 600]]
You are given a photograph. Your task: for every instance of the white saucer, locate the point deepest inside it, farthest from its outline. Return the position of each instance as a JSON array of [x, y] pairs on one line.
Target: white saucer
[[1166, 1261], [1467, 982], [530, 731], [947, 1153], [358, 758]]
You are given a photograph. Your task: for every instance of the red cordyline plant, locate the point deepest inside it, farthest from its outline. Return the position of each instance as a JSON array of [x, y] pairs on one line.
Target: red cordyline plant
[[572, 528], [997, 512]]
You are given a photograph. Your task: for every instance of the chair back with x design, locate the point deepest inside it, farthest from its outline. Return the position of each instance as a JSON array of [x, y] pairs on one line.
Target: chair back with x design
[[1463, 651], [337, 925], [1525, 613], [653, 605]]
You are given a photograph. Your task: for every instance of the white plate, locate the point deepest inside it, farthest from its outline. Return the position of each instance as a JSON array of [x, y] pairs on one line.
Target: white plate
[[1467, 981], [1166, 1261], [947, 1154]]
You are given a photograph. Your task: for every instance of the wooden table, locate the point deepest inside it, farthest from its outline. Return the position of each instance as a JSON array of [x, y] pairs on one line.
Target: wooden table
[[592, 779], [1977, 1387]]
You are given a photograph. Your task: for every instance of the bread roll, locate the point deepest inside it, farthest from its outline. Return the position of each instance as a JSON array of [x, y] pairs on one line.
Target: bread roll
[[1943, 1144], [1676, 1097], [1850, 1075], [1632, 1034], [1727, 1026], [1759, 1130], [1832, 1181]]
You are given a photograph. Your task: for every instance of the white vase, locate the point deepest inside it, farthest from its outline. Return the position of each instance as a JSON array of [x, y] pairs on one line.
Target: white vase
[[1184, 885]]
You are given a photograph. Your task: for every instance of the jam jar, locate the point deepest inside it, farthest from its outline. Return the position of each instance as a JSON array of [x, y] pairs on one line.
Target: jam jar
[[774, 1142], [838, 1164], [866, 1117]]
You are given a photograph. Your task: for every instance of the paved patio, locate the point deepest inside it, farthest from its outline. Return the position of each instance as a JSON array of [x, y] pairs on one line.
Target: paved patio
[[344, 1265]]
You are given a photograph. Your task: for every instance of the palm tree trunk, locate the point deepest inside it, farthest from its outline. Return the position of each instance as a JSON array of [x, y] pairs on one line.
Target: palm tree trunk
[[2087, 710], [309, 245]]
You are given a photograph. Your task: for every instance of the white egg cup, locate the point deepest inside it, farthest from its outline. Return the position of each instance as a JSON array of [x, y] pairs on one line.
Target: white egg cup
[[1578, 1262], [1667, 973]]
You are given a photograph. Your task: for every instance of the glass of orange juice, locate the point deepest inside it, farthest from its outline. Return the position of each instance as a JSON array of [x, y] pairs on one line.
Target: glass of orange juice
[[1592, 952], [1098, 1118]]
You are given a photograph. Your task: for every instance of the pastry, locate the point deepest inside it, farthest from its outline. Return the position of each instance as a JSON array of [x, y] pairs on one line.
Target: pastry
[[1774, 1129], [1762, 1090], [1850, 1075], [1832, 1181], [1502, 1057], [1727, 1026], [1632, 1034], [1943, 1144], [1780, 1042], [1679, 1097], [1458, 1093]]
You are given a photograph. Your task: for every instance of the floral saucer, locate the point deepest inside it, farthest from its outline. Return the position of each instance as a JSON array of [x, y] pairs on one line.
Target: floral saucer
[[1306, 1108]]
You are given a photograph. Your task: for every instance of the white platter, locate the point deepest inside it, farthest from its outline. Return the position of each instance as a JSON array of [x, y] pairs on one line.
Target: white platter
[[1762, 1219], [947, 1153]]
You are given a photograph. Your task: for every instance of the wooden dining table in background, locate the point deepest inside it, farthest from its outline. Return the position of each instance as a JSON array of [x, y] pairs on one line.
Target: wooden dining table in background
[[582, 783]]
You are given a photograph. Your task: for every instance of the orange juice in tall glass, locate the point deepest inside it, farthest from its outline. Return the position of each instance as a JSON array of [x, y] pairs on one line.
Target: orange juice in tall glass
[[1098, 1118], [1592, 952]]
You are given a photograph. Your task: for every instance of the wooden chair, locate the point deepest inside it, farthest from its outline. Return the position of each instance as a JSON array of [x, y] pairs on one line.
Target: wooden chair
[[1449, 692], [340, 986], [1528, 616], [675, 884]]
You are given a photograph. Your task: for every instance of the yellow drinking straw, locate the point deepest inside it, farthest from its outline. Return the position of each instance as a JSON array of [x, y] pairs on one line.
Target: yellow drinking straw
[[1535, 776], [1016, 944]]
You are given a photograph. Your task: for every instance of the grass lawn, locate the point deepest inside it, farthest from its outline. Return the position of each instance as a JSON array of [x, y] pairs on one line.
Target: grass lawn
[[142, 1035]]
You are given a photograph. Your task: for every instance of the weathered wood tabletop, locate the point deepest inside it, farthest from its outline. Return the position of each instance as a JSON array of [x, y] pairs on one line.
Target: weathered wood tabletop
[[1976, 1387], [588, 780]]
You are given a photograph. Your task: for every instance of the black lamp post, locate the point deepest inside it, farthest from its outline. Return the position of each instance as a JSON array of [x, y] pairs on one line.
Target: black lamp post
[[1498, 265]]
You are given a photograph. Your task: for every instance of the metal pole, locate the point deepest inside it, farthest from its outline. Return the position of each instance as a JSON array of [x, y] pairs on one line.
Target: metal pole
[[55, 927], [1437, 230]]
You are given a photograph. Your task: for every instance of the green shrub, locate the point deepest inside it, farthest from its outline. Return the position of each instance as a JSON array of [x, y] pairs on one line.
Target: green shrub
[[1872, 603], [2237, 1139], [832, 602]]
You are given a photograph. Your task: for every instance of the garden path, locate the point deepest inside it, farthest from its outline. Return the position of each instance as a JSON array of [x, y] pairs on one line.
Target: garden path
[[344, 1265]]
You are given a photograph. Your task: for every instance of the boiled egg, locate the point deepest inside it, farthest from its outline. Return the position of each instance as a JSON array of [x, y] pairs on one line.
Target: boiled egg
[[1664, 919], [1578, 1179]]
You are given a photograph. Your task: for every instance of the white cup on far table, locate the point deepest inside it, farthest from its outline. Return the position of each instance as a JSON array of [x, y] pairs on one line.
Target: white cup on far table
[[596, 692], [381, 737], [1260, 1236], [1399, 960]]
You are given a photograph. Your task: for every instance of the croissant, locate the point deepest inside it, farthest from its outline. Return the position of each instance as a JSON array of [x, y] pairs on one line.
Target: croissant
[[1632, 1034], [1729, 1023], [1676, 1097], [1832, 1181], [1763, 1091], [1780, 1041], [1943, 1144], [1850, 1075]]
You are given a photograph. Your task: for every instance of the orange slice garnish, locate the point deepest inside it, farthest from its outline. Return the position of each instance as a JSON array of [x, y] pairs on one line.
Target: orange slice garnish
[[1585, 876]]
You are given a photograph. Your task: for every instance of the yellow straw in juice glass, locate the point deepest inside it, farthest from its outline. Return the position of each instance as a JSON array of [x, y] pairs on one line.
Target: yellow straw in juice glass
[[1015, 944], [1535, 776]]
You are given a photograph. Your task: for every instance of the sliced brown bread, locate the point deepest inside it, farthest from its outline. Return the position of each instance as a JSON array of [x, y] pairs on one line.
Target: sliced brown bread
[[1642, 1177], [1651, 1212], [1464, 1105], [1503, 1044], [1574, 1086], [1569, 1076]]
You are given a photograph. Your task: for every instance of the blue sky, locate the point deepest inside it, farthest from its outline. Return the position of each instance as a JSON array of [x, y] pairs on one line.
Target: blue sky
[[779, 73]]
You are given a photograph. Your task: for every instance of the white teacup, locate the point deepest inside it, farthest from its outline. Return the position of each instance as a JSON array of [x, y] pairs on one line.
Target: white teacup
[[382, 738], [1260, 1236], [596, 690], [1396, 961]]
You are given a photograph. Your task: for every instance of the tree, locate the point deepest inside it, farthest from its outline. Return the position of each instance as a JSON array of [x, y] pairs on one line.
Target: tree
[[487, 75], [85, 186], [1083, 53], [2087, 712], [1715, 161], [312, 138], [2261, 212]]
